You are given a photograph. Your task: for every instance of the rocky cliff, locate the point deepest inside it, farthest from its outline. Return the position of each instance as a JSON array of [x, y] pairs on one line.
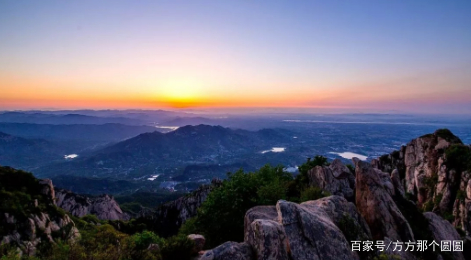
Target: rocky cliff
[[335, 178], [169, 217], [28, 233], [28, 214], [104, 206], [32, 211], [435, 172]]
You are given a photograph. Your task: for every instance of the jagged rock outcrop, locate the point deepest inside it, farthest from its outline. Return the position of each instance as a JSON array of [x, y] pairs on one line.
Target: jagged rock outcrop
[[396, 182], [310, 230], [432, 169], [335, 178], [258, 212], [169, 217], [419, 161], [375, 204], [48, 189], [27, 233], [268, 239], [104, 206], [25, 225]]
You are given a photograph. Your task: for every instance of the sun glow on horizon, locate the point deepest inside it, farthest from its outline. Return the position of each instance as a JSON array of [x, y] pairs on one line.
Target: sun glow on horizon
[[179, 92], [186, 55]]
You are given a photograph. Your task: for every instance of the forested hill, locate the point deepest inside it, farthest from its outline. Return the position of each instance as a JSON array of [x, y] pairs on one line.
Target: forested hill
[[197, 145]]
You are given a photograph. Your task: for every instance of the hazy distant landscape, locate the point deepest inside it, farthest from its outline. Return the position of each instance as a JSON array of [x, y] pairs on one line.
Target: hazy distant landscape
[[155, 151]]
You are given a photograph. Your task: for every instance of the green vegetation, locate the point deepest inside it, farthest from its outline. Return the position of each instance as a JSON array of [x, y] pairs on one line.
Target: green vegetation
[[428, 206], [431, 181], [395, 154], [385, 159], [20, 194], [144, 239], [351, 168], [301, 182], [221, 217], [132, 226], [177, 247], [305, 167], [461, 195], [18, 190], [447, 135], [458, 157], [438, 198], [353, 232], [448, 216], [134, 202], [426, 135], [313, 193], [429, 187], [350, 229]]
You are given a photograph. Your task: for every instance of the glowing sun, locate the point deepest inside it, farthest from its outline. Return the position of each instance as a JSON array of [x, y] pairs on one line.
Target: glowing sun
[[180, 92]]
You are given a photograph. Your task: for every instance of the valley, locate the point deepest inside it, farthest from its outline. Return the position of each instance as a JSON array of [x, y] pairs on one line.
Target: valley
[[121, 159]]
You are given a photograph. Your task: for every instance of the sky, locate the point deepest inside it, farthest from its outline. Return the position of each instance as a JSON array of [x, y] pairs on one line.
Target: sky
[[367, 56]]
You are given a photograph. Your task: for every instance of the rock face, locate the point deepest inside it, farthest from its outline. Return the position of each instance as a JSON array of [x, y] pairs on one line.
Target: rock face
[[311, 230], [396, 181], [48, 189], [268, 239], [462, 206], [169, 217], [426, 174], [375, 204], [335, 178], [45, 224], [28, 233], [443, 230], [258, 212], [104, 207]]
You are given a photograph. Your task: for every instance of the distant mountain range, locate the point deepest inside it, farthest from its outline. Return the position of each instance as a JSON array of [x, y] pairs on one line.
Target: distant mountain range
[[42, 118], [182, 121], [27, 153], [160, 153], [28, 146], [76, 135], [154, 118]]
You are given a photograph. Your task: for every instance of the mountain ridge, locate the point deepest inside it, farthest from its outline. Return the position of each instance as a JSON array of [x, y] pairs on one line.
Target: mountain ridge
[[188, 145]]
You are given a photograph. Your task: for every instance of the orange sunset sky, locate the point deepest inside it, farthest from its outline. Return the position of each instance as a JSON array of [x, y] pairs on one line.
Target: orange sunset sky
[[381, 56]]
